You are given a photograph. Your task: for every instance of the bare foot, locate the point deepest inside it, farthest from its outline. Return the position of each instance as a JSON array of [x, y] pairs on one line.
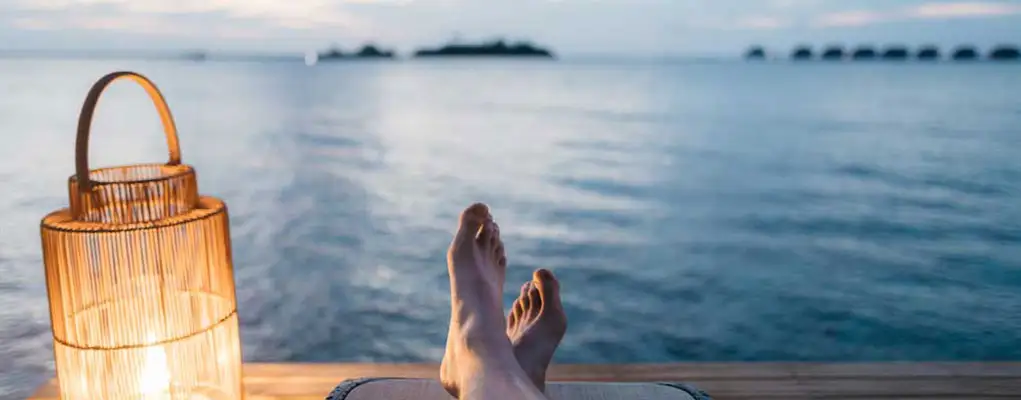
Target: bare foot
[[477, 343], [536, 325]]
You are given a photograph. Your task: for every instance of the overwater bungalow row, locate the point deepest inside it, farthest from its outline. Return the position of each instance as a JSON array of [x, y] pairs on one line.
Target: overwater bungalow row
[[837, 52]]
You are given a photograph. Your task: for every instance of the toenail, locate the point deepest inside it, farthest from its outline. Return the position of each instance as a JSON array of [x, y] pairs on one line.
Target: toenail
[[479, 209]]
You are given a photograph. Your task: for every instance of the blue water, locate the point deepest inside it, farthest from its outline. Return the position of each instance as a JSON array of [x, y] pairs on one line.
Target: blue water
[[714, 211]]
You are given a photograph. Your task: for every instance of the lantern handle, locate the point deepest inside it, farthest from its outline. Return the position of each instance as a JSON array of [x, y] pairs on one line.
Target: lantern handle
[[81, 153]]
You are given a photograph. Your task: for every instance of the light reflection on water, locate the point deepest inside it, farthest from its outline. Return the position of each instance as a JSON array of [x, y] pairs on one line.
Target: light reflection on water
[[693, 212]]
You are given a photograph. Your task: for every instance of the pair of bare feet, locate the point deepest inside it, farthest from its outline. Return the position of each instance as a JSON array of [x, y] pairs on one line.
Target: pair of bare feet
[[488, 355]]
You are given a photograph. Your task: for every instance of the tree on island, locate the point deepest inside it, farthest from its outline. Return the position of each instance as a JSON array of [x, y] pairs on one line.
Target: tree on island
[[494, 48], [370, 51], [333, 52]]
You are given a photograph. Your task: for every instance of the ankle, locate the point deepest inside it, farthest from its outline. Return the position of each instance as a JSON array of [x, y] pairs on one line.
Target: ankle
[[485, 345], [480, 331]]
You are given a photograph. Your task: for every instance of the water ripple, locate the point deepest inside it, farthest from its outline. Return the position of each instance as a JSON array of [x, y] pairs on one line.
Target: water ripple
[[721, 212]]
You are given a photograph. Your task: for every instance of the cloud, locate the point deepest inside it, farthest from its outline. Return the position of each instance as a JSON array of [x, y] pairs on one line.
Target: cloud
[[761, 22], [952, 10], [139, 24], [793, 3], [963, 10], [849, 19], [159, 17], [589, 25], [33, 24]]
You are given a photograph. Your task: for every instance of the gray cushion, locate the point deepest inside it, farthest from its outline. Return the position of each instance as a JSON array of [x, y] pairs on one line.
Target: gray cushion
[[425, 389]]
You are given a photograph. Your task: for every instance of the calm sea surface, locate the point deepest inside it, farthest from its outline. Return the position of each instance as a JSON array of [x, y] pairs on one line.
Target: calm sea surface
[[719, 211]]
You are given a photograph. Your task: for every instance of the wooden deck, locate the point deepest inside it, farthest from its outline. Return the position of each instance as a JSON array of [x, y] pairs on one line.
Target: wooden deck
[[971, 381]]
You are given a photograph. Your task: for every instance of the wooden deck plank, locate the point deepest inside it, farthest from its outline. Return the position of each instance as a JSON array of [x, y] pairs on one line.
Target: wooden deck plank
[[646, 372], [724, 381]]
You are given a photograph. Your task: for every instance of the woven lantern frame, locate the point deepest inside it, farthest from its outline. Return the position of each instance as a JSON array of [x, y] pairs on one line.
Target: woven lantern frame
[[140, 277]]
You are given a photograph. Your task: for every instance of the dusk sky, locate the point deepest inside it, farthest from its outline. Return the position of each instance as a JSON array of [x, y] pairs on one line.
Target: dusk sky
[[627, 27]]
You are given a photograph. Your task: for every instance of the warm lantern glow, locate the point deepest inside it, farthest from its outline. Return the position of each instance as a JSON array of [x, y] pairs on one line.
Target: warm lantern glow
[[140, 279], [155, 378]]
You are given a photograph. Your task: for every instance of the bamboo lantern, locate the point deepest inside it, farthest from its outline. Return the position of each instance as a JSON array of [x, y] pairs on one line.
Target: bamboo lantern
[[139, 277]]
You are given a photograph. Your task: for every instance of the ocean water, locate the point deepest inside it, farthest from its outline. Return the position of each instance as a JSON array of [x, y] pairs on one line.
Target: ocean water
[[694, 211]]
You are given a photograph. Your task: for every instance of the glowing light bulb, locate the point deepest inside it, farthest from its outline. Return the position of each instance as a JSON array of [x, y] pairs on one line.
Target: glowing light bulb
[[155, 378]]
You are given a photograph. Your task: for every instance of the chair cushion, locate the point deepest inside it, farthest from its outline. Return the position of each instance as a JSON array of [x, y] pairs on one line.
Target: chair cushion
[[425, 389]]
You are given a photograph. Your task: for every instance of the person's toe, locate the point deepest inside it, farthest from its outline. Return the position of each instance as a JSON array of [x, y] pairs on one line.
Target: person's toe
[[498, 256], [471, 220], [512, 318], [534, 300], [548, 286], [494, 238], [499, 253], [485, 237], [518, 309], [526, 301]]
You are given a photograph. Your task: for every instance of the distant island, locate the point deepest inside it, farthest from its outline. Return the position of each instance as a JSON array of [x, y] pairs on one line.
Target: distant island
[[496, 48], [368, 51], [195, 56]]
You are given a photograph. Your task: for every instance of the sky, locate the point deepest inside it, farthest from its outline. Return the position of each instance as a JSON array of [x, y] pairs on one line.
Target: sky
[[626, 27]]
